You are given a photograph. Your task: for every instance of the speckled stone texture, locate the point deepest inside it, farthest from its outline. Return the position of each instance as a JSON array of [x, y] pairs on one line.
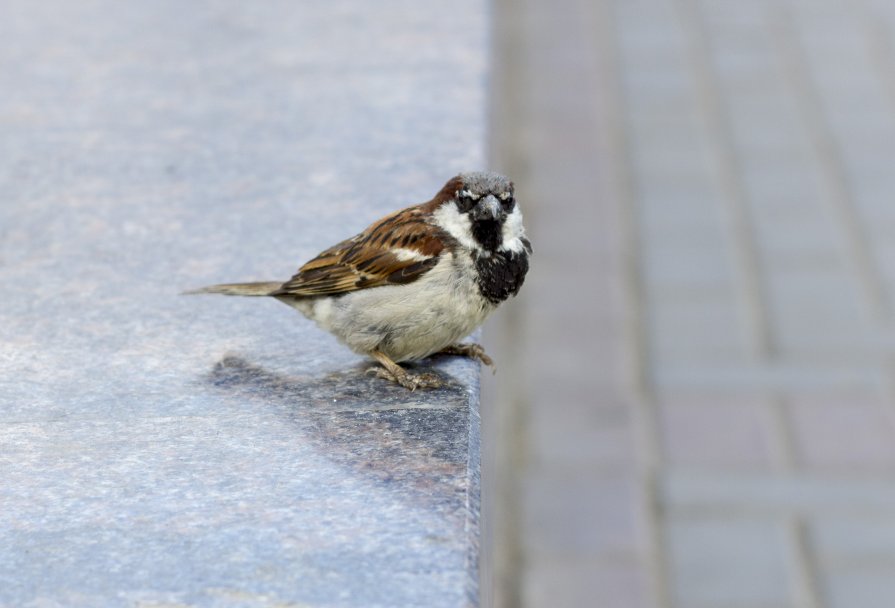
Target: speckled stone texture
[[165, 450]]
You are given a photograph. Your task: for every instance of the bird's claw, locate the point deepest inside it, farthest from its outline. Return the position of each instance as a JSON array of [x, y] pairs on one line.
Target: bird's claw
[[408, 380]]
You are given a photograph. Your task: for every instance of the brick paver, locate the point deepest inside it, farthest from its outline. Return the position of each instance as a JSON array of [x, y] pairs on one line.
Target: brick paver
[[726, 561], [698, 408]]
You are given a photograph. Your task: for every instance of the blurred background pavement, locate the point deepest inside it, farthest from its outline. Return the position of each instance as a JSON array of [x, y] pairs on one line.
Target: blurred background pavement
[[695, 406]]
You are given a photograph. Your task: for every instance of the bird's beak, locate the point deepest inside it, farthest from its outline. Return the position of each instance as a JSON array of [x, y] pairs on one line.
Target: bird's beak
[[488, 209]]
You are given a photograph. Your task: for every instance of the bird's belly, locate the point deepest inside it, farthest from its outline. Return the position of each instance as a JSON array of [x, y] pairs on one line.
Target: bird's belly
[[407, 321]]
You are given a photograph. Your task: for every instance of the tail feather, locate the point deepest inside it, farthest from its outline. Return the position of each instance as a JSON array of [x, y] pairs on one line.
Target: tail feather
[[238, 289]]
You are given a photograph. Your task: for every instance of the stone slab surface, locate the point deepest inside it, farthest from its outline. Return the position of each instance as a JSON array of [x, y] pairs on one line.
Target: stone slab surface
[[164, 450]]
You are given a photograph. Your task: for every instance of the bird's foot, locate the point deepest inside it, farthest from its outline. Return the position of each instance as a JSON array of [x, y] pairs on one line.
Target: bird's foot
[[407, 379], [473, 351], [394, 372]]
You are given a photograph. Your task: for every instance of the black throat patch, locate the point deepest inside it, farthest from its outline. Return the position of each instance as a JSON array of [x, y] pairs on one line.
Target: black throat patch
[[501, 274], [489, 234]]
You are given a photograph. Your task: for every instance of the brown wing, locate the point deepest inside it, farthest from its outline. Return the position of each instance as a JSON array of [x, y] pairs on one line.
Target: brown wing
[[370, 259]]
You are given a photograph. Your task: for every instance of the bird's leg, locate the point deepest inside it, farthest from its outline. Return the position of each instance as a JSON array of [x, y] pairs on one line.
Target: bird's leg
[[394, 372], [473, 351]]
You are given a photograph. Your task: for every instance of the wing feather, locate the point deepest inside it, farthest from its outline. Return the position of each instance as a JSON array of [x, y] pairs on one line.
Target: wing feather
[[396, 250]]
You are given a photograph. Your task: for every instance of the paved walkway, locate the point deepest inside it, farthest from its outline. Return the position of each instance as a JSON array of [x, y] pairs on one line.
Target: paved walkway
[[702, 413]]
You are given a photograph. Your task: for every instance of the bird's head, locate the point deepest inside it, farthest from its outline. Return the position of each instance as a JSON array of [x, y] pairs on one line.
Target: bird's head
[[479, 209]]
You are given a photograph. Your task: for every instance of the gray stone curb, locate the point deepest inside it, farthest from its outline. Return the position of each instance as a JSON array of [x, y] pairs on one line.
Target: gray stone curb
[[162, 450]]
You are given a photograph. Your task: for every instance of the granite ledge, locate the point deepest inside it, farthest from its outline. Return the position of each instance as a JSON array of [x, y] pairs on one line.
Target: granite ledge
[[160, 450]]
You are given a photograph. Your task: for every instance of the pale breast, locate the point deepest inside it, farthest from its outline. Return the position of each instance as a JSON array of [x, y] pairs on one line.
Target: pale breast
[[406, 321]]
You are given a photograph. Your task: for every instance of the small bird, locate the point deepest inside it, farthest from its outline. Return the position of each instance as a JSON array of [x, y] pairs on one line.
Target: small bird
[[416, 281]]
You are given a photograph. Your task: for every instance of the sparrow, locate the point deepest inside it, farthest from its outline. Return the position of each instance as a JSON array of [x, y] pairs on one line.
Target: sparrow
[[417, 281]]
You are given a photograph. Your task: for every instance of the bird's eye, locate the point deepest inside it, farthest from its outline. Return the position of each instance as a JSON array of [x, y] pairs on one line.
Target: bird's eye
[[508, 204], [465, 202]]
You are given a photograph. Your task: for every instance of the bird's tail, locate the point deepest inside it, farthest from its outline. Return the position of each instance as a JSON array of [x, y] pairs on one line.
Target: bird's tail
[[238, 289]]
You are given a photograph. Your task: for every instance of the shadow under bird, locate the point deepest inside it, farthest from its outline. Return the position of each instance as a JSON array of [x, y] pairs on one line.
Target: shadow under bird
[[415, 282]]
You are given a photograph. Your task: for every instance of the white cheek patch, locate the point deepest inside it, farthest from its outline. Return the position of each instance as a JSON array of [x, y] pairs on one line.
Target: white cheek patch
[[513, 231], [456, 224]]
